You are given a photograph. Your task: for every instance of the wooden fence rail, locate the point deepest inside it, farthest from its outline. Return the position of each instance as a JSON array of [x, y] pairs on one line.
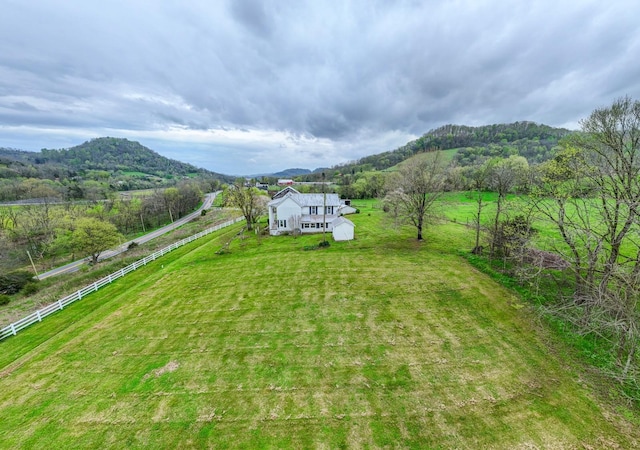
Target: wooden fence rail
[[13, 328]]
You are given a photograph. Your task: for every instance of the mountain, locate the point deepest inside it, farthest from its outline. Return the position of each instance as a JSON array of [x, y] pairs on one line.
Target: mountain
[[106, 154], [114, 154], [119, 164], [531, 140], [286, 173]]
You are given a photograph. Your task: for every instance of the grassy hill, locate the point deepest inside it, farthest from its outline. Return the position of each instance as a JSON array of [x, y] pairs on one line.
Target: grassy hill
[[379, 342]]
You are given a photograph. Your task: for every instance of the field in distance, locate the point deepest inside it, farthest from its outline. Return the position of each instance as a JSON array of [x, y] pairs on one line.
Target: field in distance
[[378, 342]]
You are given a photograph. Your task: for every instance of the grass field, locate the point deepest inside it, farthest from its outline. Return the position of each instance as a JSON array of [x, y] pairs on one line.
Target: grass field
[[379, 342]]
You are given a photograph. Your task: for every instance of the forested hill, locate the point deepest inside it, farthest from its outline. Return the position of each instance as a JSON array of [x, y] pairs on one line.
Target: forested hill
[[533, 141], [109, 154], [118, 164]]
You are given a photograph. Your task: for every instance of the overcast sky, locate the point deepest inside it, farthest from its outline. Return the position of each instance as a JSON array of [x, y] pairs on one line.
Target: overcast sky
[[248, 86]]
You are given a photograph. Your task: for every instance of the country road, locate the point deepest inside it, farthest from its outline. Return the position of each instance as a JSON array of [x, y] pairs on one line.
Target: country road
[[75, 266]]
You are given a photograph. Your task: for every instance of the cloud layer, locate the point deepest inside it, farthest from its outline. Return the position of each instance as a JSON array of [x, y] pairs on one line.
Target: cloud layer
[[252, 86]]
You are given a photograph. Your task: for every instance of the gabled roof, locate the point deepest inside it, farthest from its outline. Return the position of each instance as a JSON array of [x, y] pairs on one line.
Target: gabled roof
[[280, 200], [284, 192], [306, 199], [340, 221], [316, 199]]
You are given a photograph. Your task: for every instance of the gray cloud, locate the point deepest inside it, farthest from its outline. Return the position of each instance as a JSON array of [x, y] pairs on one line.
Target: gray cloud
[[304, 79]]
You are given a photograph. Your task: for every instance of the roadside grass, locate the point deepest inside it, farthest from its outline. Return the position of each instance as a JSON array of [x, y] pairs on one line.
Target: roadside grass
[[377, 342], [53, 288]]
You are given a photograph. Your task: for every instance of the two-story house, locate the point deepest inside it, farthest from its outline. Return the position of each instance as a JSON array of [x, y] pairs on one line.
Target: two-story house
[[290, 211]]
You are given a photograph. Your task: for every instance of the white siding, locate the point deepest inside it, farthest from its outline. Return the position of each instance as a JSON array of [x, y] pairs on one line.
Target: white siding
[[287, 209]]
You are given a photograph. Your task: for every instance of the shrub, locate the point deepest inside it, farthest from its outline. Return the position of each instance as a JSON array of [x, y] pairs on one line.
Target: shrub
[[4, 299], [324, 244], [13, 282], [132, 245], [203, 212], [30, 288]]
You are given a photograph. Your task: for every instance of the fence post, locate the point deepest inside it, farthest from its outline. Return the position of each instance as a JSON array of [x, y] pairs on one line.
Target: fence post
[[13, 329], [95, 287], [109, 278], [39, 316], [60, 304]]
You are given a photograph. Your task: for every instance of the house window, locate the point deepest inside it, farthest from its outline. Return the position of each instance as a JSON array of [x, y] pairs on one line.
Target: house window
[[313, 210], [329, 209], [305, 225], [283, 224]]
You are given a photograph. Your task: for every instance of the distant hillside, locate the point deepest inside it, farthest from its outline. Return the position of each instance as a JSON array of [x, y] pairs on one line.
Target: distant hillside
[[291, 172], [533, 141], [120, 164], [115, 154], [109, 154], [286, 173]]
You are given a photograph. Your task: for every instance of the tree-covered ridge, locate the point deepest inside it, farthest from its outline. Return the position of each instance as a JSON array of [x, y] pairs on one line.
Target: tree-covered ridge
[[102, 164], [533, 141], [110, 154], [114, 154]]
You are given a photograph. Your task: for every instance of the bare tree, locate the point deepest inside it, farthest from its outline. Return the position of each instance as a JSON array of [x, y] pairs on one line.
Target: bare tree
[[594, 187], [479, 177], [505, 175], [249, 200], [415, 188]]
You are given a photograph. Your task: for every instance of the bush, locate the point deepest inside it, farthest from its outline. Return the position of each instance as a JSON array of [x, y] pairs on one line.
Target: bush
[[4, 299], [30, 288], [12, 282], [203, 212], [132, 245], [324, 244]]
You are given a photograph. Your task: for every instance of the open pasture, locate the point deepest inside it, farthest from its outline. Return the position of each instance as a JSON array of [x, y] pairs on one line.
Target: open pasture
[[379, 342]]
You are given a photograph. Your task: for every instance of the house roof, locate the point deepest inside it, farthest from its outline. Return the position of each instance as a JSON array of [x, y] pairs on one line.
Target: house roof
[[307, 199], [284, 192], [316, 199], [341, 220]]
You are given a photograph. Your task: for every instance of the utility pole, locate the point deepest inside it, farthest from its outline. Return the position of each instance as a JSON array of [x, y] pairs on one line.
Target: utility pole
[[142, 221], [33, 265], [324, 210], [170, 215]]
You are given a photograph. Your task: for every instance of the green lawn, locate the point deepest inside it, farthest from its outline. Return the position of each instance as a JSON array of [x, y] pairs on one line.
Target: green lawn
[[379, 342]]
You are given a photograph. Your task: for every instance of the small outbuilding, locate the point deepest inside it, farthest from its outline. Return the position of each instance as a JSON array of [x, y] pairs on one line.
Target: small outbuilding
[[343, 229]]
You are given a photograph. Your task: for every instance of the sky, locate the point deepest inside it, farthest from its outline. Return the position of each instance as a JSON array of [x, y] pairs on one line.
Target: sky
[[248, 86]]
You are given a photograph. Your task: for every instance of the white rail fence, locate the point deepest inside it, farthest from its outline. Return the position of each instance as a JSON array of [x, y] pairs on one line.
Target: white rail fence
[[13, 328]]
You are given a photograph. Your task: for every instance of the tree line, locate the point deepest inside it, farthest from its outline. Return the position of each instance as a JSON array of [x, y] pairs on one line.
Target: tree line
[[49, 231], [588, 192]]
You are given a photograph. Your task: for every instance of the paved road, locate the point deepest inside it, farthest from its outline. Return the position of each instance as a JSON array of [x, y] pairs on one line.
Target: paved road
[[75, 266]]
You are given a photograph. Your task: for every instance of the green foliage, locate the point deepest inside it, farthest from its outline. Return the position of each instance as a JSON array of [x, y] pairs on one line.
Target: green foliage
[[30, 288], [359, 346], [91, 170], [4, 299], [93, 236], [473, 144], [12, 282]]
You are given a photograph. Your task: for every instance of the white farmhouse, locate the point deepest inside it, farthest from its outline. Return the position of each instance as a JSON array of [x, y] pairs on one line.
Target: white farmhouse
[[291, 211]]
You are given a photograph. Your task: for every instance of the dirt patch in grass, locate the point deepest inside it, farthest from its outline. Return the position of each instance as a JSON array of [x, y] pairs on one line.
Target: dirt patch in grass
[[171, 366]]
